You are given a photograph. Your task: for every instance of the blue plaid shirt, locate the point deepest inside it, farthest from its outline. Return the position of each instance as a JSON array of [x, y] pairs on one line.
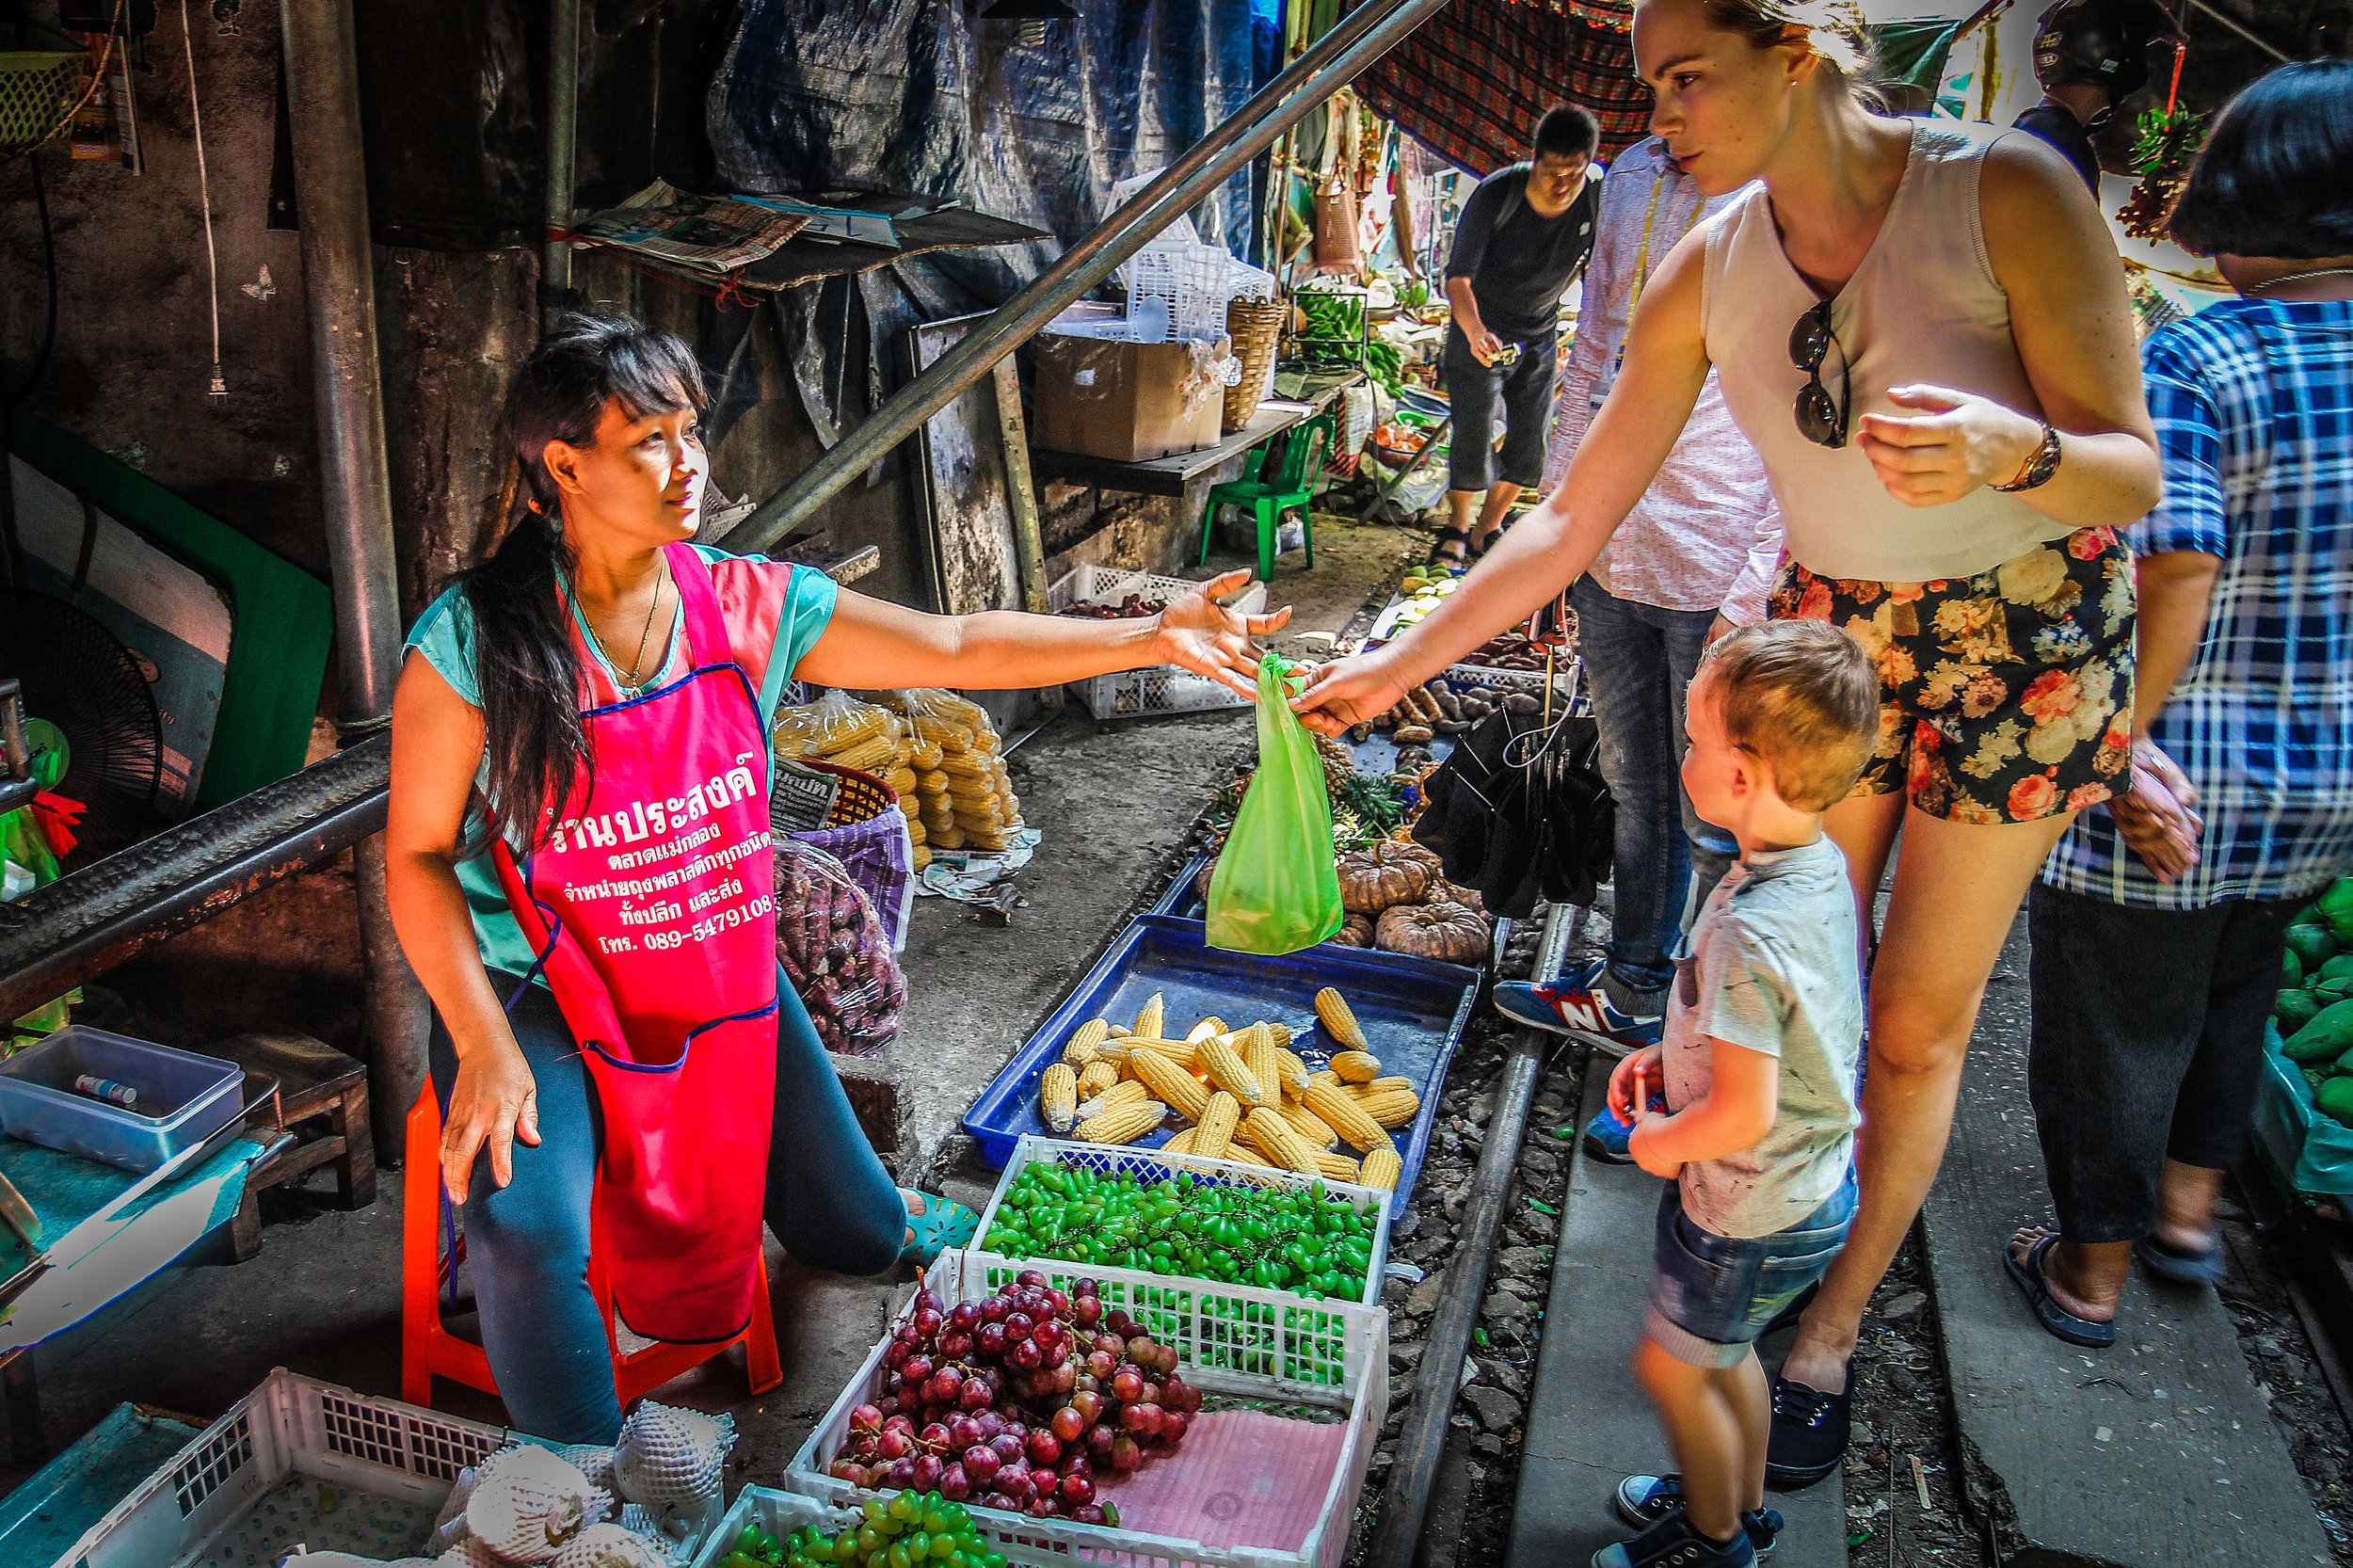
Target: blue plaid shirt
[[2253, 403]]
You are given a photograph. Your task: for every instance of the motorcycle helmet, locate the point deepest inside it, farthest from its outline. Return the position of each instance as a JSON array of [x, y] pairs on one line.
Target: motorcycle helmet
[[2113, 45]]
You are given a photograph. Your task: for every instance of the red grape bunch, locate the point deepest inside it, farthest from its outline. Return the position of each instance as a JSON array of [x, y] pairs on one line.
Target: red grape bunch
[[1019, 1402]]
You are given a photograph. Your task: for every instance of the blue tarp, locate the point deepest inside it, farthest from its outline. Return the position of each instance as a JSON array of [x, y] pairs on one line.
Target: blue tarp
[[916, 95]]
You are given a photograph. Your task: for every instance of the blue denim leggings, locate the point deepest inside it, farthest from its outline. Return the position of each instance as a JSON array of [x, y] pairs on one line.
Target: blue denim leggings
[[829, 1201], [1639, 662]]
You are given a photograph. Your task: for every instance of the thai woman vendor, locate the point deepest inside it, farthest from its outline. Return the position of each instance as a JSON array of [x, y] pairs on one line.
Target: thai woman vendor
[[580, 874]]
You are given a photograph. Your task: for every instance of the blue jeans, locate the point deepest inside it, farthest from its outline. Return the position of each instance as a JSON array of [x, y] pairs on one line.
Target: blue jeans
[[1711, 1297], [1639, 662], [829, 1200]]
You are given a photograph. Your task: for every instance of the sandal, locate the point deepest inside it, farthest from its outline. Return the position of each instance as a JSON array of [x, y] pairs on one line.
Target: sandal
[[2056, 1320], [943, 1223], [1450, 535], [2178, 1266]]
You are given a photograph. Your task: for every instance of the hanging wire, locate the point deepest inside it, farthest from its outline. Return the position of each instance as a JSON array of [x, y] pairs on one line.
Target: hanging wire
[[219, 388]]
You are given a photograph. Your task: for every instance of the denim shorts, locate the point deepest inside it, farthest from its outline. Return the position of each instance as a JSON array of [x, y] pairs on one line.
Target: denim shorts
[[1711, 1296]]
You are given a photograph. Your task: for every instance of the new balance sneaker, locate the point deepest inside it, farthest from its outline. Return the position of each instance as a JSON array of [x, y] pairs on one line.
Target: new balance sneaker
[[1672, 1543], [1643, 1500], [1575, 1005], [1606, 1135]]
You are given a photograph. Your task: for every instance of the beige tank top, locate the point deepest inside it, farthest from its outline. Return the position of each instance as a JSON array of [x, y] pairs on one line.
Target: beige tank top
[[1923, 307]]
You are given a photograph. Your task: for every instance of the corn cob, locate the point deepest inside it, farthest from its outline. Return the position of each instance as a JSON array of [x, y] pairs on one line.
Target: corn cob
[[1356, 1066], [1183, 1142], [1116, 1031], [1183, 1053], [1339, 1020], [1216, 1132], [1282, 1033], [1206, 1028], [1096, 1077], [1275, 1137], [1258, 1053], [1183, 1092], [1292, 1071], [1126, 1092], [1227, 1070], [1389, 1085], [1087, 1044], [1381, 1169], [1325, 1074], [1314, 1129], [1345, 1116], [1148, 1016], [1336, 1166], [1057, 1099], [1394, 1108], [1123, 1123]]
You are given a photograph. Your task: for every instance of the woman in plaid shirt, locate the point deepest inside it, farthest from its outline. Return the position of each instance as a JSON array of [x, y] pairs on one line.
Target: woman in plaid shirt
[[2159, 922]]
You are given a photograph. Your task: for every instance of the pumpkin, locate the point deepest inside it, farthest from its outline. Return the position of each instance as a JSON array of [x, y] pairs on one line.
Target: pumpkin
[[1446, 932], [1380, 876], [1355, 932]]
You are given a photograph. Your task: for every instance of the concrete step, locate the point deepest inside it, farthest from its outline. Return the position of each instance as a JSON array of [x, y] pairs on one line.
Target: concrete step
[[2156, 1453], [1589, 1422]]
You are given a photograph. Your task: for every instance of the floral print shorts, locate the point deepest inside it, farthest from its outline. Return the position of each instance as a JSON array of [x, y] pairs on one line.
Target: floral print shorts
[[2004, 696]]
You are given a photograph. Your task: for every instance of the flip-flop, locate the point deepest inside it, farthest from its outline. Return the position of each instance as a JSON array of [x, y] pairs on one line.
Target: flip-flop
[[943, 1223], [2056, 1320], [2176, 1266]]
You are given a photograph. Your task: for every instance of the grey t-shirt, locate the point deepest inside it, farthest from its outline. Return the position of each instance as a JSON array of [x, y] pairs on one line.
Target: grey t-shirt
[[1772, 968]]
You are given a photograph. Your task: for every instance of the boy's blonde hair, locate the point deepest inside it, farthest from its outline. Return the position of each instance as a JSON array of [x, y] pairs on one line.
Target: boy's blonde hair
[[1804, 697]]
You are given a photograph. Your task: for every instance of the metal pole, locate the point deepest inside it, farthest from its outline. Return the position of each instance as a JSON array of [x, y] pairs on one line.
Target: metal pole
[[1337, 59], [338, 277], [555, 255]]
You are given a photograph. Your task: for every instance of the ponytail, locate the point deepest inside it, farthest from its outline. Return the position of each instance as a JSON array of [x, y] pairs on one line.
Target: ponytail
[[526, 661]]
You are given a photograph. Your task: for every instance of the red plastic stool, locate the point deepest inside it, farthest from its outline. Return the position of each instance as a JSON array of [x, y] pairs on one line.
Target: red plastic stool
[[429, 1347]]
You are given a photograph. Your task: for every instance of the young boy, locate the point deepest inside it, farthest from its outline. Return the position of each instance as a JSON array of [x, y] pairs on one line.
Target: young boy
[[1764, 1032]]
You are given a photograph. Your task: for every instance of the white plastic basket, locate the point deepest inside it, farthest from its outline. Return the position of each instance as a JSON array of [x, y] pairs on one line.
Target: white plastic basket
[[1359, 1336], [1159, 688], [1189, 280], [996, 1269], [777, 1513], [362, 1474]]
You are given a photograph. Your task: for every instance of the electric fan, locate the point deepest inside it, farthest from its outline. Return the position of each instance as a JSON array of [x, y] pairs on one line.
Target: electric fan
[[79, 677]]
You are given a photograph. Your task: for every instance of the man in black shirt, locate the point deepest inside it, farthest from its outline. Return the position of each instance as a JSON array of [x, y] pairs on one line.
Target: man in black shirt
[[2090, 55], [1523, 235]]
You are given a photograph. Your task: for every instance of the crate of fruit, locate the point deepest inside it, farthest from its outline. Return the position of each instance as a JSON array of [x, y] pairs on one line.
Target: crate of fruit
[[1119, 1419], [304, 1465], [1232, 1225], [1107, 592]]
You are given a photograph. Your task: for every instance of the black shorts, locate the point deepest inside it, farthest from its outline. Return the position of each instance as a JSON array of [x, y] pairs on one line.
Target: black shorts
[[1521, 392]]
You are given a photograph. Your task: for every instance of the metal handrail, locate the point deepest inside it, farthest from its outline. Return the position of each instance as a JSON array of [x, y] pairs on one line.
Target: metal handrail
[[1335, 59]]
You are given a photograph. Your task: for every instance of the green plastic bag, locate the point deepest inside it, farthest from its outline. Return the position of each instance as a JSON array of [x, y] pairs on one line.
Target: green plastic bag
[[1277, 887]]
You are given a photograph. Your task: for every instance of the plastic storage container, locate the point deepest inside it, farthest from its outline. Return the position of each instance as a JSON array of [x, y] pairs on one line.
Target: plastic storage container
[[183, 1098], [1157, 688]]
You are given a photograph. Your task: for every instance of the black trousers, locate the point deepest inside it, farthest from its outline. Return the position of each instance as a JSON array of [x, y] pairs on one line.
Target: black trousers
[[2147, 1045]]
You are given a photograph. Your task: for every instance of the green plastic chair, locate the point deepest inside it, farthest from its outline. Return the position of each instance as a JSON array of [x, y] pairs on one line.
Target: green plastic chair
[[1269, 497]]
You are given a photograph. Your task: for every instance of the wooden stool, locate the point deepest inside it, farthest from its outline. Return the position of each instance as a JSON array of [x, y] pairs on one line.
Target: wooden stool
[[316, 1083]]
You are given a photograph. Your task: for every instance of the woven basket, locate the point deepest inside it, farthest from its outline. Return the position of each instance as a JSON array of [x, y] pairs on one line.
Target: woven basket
[[1254, 326], [867, 833], [37, 89]]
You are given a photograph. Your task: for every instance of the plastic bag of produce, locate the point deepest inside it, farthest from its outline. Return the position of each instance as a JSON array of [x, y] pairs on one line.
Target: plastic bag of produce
[[841, 729], [1275, 889], [835, 952]]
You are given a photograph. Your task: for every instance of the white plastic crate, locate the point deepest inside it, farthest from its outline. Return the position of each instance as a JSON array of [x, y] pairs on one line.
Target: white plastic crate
[[1355, 1339], [1188, 281], [1160, 1165], [777, 1513], [1159, 688], [298, 1460]]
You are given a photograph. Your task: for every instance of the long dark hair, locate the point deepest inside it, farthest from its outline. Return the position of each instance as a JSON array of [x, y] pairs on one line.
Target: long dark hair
[[524, 654]]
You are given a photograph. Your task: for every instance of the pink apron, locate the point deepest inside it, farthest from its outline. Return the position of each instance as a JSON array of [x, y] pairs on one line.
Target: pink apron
[[652, 908]]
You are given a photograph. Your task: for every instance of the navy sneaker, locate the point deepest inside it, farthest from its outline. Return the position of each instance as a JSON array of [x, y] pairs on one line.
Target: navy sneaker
[[1606, 1135], [1809, 1435], [1577, 1006], [1672, 1543], [1643, 1500]]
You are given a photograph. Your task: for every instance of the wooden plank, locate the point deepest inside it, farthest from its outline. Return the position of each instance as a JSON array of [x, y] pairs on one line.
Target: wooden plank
[[1168, 475], [2158, 1453], [972, 525], [1020, 493]]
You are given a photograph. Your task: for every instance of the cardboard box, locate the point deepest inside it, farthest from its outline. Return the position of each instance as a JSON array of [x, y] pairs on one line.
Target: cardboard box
[[1105, 396]]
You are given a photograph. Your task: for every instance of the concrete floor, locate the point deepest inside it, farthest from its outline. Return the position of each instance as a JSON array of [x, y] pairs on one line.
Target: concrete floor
[[1114, 803]]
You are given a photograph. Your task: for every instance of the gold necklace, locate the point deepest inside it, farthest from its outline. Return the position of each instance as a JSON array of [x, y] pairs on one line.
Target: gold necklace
[[635, 681], [2298, 277]]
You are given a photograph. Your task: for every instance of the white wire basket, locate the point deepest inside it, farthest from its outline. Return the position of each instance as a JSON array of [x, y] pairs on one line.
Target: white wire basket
[[1186, 281], [1353, 1353], [1159, 688]]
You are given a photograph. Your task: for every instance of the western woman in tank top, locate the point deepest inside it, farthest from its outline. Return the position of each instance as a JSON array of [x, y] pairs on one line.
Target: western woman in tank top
[[1923, 328]]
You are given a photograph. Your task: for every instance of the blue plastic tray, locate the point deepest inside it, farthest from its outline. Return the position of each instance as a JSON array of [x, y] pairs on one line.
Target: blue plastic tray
[[1413, 1012]]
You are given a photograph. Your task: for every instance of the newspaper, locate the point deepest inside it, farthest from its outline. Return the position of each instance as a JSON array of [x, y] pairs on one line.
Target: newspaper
[[717, 234]]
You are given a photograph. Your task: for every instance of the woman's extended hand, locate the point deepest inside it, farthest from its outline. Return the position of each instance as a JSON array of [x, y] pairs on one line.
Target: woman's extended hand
[[494, 1101], [1356, 690], [2157, 816], [1209, 639], [1957, 442]]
